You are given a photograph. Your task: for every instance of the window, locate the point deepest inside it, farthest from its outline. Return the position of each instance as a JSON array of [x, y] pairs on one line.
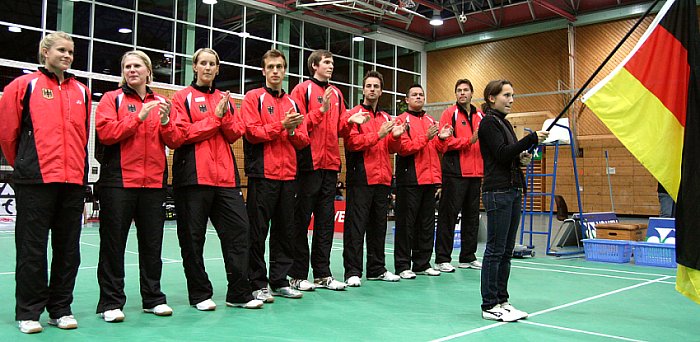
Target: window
[[163, 8], [228, 46], [129, 4], [258, 23], [341, 43], [8, 74], [229, 78], [81, 54], [194, 11], [364, 50], [21, 12], [24, 45], [292, 54], [288, 30], [189, 38], [114, 25], [408, 59], [162, 66], [106, 58], [70, 17], [315, 37], [183, 71], [254, 50], [385, 54], [155, 33], [388, 75], [253, 79], [341, 69], [227, 16]]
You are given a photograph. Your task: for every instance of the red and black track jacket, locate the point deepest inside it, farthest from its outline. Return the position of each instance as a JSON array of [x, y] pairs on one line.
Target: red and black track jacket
[[134, 155], [270, 152], [417, 162], [460, 158], [205, 157], [367, 155], [323, 128], [44, 128]]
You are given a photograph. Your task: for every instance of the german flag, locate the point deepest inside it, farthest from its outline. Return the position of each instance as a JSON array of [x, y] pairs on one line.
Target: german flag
[[651, 102]]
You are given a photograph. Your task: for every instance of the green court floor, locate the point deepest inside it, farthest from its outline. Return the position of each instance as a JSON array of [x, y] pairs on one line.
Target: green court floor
[[568, 300]]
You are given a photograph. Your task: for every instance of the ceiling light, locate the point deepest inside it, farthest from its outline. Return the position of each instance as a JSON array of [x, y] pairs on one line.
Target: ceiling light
[[358, 39], [125, 30], [26, 71], [168, 55], [436, 20], [15, 29], [97, 94], [210, 2]]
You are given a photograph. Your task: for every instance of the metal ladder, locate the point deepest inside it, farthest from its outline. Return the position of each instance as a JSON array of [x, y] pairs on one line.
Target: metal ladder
[[528, 212]]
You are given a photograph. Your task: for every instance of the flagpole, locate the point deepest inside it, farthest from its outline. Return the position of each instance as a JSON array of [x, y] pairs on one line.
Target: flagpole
[[607, 59]]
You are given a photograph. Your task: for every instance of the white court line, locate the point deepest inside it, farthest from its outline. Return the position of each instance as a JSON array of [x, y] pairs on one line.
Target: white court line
[[130, 252], [580, 331], [469, 332], [581, 273], [590, 268]]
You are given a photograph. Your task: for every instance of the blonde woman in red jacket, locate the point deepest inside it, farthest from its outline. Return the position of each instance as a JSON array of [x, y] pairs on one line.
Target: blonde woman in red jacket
[[134, 124], [43, 135], [207, 186]]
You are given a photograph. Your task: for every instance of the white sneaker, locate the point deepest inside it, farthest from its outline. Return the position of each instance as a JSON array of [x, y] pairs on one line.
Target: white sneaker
[[430, 272], [445, 267], [407, 274], [497, 313], [386, 276], [206, 305], [287, 292], [113, 316], [474, 264], [515, 312], [65, 322], [330, 283], [252, 304], [354, 281], [30, 327], [263, 295], [302, 285], [160, 310]]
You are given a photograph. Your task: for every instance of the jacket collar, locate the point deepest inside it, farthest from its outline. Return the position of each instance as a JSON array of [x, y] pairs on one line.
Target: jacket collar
[[471, 111], [66, 74], [322, 84], [130, 91], [275, 93], [204, 89], [370, 109], [414, 113], [491, 111]]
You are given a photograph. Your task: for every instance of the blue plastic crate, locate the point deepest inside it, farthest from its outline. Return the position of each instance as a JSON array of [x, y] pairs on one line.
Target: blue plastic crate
[[655, 254], [607, 250]]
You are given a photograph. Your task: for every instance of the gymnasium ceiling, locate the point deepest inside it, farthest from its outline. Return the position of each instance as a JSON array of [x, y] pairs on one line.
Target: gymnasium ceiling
[[461, 17]]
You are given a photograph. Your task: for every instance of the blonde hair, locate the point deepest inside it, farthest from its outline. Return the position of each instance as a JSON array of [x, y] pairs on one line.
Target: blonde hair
[[49, 40], [146, 61], [195, 57]]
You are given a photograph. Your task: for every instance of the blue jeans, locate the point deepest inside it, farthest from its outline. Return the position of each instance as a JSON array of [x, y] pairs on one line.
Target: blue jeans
[[668, 206], [502, 219]]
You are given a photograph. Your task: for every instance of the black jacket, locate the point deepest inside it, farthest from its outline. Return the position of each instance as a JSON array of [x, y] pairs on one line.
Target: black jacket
[[501, 152]]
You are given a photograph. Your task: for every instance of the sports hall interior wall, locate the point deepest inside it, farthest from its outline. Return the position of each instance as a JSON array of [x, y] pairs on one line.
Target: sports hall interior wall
[[538, 64]]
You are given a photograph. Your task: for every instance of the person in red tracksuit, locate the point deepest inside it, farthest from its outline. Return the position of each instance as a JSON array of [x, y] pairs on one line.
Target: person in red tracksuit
[[44, 135], [207, 186], [417, 174], [369, 184], [274, 132], [322, 105], [462, 170], [134, 125]]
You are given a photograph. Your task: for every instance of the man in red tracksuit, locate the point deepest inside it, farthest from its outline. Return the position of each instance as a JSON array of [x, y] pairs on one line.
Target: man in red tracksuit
[[462, 170], [322, 105], [369, 184], [273, 135], [417, 174]]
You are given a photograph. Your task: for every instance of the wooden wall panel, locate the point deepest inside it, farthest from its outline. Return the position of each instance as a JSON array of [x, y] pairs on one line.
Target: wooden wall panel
[[539, 63]]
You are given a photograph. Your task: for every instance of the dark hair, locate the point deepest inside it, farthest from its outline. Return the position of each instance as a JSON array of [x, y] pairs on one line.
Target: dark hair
[[492, 89], [273, 53], [316, 58], [464, 81], [375, 74], [414, 85]]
